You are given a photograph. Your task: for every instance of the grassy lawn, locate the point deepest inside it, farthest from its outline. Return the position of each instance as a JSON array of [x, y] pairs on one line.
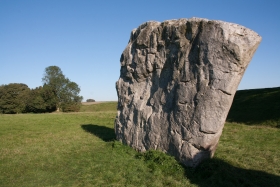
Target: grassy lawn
[[78, 149]]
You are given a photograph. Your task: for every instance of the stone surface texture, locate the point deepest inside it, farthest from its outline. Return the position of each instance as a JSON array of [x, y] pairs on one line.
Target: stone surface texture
[[177, 82]]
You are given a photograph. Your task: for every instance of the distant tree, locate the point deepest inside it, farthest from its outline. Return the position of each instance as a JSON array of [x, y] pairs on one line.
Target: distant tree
[[35, 103], [90, 100], [13, 97], [49, 97], [66, 92], [41, 99], [71, 101]]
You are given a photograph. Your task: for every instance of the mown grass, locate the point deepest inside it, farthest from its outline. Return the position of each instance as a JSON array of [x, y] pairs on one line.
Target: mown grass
[[78, 149], [75, 149]]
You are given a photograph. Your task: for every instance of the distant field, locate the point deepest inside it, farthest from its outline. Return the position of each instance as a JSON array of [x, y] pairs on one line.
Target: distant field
[[79, 149], [96, 102], [97, 107]]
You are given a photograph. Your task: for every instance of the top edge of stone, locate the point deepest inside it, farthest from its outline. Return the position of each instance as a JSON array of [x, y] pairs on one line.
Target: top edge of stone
[[195, 19], [185, 19]]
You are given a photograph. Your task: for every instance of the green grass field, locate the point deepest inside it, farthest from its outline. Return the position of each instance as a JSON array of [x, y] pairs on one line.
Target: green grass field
[[78, 149]]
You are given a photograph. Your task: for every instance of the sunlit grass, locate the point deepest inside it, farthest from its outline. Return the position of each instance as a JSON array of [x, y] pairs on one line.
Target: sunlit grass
[[78, 149]]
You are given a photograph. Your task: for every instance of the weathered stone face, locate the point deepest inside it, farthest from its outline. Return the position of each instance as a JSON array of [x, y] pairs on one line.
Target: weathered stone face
[[177, 82]]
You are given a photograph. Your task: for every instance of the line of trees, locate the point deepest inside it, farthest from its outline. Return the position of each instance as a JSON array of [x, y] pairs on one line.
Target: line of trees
[[58, 93]]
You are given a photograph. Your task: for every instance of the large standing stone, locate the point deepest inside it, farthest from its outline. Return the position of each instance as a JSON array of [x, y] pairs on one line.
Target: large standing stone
[[177, 82]]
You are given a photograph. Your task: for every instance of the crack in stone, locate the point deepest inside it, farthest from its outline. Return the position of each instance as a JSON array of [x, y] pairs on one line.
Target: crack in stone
[[225, 92]]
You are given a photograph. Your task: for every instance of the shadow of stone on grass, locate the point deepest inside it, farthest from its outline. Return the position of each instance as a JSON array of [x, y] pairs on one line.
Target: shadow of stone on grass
[[216, 172], [105, 133]]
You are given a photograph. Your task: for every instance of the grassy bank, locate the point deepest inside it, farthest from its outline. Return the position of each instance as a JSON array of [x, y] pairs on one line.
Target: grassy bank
[[78, 149], [256, 107]]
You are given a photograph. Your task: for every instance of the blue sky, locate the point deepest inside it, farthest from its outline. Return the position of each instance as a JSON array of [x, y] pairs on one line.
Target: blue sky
[[85, 38]]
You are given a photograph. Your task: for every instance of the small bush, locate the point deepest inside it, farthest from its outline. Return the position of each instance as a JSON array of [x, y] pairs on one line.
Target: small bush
[[90, 100], [71, 107]]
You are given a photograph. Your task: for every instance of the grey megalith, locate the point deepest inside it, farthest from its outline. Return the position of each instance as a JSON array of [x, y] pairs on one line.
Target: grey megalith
[[177, 82]]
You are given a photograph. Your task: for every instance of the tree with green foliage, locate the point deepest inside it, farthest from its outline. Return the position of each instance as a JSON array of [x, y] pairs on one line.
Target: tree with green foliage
[[66, 92], [13, 97], [40, 100]]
